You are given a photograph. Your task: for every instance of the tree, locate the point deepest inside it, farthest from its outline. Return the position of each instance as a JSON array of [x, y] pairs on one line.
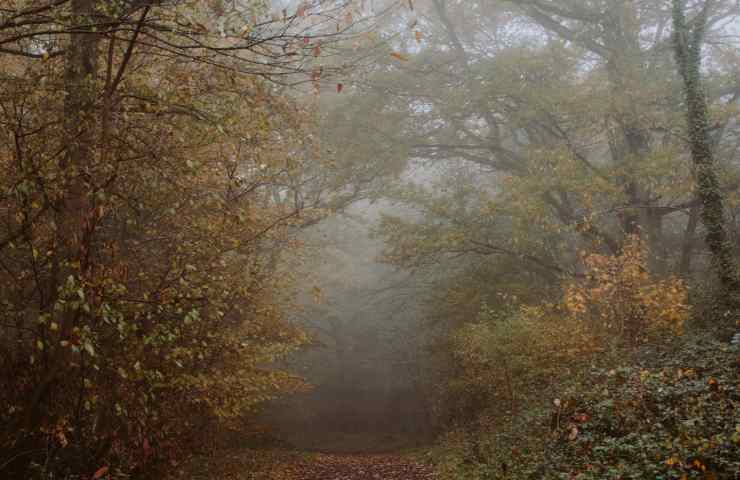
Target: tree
[[148, 191], [688, 38]]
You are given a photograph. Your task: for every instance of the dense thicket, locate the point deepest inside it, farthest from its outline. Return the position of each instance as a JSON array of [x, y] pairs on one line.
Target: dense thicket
[[152, 175]]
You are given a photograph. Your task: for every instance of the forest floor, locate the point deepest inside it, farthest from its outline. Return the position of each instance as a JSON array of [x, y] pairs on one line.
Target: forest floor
[[289, 465], [356, 467]]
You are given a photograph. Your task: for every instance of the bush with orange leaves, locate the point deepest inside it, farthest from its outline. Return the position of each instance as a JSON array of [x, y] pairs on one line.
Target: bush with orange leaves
[[620, 300]]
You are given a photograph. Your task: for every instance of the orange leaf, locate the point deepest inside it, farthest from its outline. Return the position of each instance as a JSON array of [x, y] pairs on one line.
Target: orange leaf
[[99, 473], [398, 56], [417, 34]]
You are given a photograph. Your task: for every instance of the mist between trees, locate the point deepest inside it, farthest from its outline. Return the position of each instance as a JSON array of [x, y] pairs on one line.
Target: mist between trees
[[501, 233]]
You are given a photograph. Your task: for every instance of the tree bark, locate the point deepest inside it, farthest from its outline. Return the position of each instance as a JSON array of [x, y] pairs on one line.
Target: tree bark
[[687, 250], [687, 48], [75, 205]]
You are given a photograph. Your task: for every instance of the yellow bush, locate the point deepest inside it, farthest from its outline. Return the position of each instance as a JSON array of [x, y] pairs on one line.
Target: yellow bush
[[620, 298]]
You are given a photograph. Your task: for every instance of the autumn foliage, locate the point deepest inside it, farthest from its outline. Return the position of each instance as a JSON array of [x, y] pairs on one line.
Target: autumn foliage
[[146, 206], [619, 298], [515, 367], [165, 323]]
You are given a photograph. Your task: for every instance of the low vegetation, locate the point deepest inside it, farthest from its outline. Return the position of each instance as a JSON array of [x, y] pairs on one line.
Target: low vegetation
[[559, 394]]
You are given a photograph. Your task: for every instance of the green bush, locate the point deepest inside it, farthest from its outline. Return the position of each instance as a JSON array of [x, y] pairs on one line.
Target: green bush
[[677, 418], [671, 414]]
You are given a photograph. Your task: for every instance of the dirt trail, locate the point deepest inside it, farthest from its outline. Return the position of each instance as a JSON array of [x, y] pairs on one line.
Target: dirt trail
[[355, 467], [238, 464]]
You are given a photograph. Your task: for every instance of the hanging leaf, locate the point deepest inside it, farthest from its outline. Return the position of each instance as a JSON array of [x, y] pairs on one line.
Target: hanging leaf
[[418, 36], [340, 87], [399, 56], [317, 294], [99, 473]]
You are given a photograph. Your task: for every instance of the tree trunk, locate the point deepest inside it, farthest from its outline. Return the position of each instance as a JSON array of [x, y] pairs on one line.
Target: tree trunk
[[73, 205], [687, 250], [687, 46], [626, 73]]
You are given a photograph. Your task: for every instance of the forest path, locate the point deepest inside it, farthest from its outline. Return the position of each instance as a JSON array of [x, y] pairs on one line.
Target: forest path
[[354, 467], [238, 464]]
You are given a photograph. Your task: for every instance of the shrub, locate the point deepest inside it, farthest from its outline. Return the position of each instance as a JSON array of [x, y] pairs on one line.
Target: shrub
[[621, 300], [675, 419]]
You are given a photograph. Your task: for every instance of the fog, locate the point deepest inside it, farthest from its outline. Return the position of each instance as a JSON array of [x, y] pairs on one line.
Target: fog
[[364, 362], [458, 238]]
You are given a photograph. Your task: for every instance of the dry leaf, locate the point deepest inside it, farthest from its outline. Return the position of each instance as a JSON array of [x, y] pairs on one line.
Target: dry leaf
[[99, 473]]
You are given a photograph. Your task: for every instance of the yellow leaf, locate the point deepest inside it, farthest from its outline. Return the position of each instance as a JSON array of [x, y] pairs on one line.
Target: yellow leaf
[[317, 294]]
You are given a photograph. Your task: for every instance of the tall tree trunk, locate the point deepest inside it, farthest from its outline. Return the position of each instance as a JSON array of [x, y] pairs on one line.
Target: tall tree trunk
[[74, 204], [687, 46], [626, 73]]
